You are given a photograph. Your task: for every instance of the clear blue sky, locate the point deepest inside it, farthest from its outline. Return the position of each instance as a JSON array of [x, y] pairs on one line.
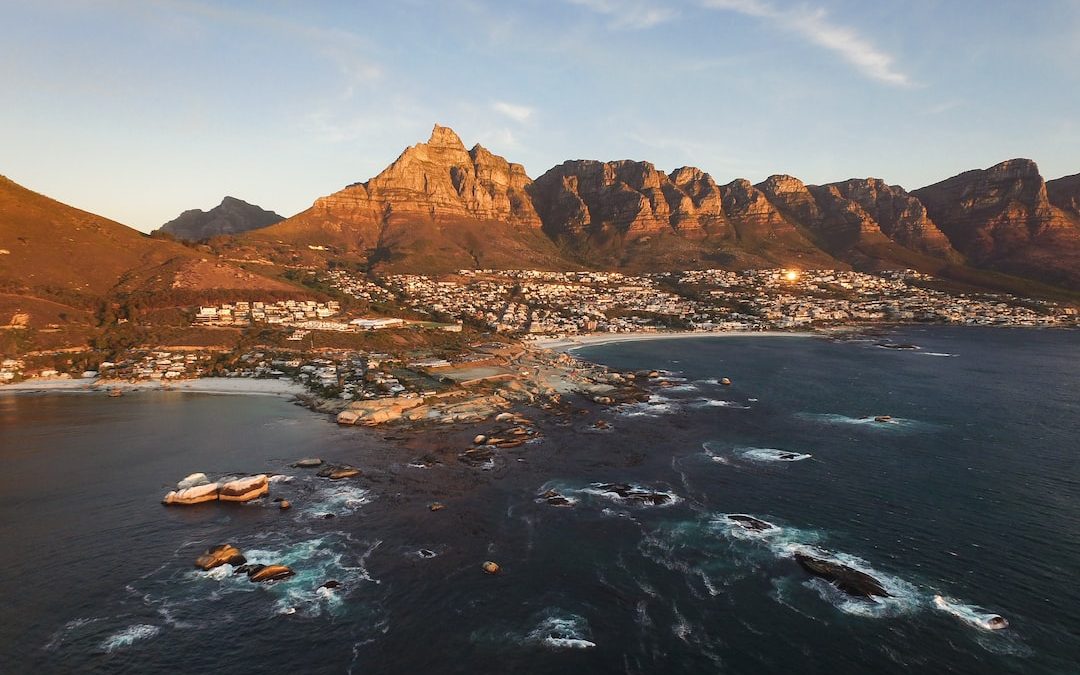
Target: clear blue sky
[[139, 109]]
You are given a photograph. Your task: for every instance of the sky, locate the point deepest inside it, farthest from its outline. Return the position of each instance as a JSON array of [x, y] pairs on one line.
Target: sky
[[140, 109]]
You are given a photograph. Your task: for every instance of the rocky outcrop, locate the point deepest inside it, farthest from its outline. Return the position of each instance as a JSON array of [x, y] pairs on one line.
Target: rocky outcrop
[[231, 216], [377, 411], [223, 554], [847, 579], [1002, 218], [244, 489], [192, 495], [271, 573]]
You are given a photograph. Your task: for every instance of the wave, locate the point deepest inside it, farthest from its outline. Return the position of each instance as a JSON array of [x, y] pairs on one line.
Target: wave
[[883, 422], [339, 499], [771, 455], [719, 403], [632, 494], [937, 354], [971, 614], [656, 406], [129, 636], [561, 631]]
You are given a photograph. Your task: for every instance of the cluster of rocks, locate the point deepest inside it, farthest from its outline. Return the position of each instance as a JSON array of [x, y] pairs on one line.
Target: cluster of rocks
[[227, 554], [197, 489], [513, 431]]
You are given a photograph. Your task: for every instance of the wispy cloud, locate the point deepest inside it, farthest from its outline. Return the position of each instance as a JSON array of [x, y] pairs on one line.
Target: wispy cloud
[[817, 27], [630, 14], [518, 113]]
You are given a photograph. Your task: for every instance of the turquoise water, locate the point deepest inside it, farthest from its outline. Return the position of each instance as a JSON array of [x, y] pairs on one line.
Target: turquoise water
[[971, 491]]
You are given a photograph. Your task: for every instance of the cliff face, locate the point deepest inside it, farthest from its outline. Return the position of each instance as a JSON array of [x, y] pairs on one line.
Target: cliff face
[[627, 199], [1064, 193], [231, 216], [1002, 218]]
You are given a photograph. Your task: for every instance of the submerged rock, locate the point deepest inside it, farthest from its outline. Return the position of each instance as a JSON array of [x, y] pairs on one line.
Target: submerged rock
[[847, 579], [308, 463], [883, 418], [436, 506], [635, 494], [338, 472], [244, 489], [193, 495], [333, 583], [750, 523], [220, 555]]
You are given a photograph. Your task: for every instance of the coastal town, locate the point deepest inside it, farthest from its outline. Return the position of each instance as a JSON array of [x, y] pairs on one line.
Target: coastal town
[[534, 307]]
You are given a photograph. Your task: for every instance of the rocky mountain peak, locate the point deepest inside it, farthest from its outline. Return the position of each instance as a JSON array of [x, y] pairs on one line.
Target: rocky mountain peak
[[445, 137]]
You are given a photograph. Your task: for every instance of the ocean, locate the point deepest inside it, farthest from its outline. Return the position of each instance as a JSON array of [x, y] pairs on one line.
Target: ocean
[[969, 491]]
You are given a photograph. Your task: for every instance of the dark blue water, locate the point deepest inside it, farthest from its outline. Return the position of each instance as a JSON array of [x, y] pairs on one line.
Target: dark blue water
[[971, 491]]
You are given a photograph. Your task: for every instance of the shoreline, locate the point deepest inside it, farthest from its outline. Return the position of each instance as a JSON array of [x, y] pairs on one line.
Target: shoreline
[[227, 386], [572, 342]]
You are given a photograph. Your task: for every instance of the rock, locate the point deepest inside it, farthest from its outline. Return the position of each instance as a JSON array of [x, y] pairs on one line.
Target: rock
[[480, 439], [308, 463], [348, 417], [426, 553], [751, 523], [220, 555], [338, 472], [248, 569], [193, 495], [491, 567], [284, 505], [271, 573], [436, 506], [504, 416], [847, 579], [635, 494], [331, 584], [725, 381], [194, 480], [244, 489]]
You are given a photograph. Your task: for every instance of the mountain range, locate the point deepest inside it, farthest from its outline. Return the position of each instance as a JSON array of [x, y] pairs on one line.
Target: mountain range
[[441, 207]]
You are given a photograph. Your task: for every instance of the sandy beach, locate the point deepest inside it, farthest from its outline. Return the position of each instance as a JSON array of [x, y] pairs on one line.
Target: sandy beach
[[206, 385], [571, 342]]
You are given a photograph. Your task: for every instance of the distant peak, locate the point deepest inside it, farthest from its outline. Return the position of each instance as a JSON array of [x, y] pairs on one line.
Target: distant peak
[[445, 137], [1016, 167]]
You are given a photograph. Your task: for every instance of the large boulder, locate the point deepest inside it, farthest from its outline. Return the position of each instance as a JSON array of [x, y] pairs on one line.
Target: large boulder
[[193, 495], [244, 489], [194, 480], [220, 555], [272, 573]]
